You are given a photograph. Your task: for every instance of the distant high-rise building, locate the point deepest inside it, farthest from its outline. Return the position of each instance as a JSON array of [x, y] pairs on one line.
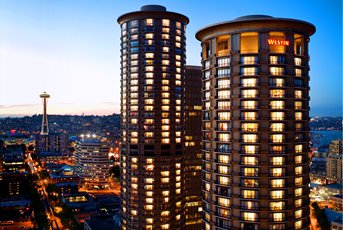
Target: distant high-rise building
[[53, 142], [256, 123], [92, 162], [193, 155], [153, 56], [334, 162]]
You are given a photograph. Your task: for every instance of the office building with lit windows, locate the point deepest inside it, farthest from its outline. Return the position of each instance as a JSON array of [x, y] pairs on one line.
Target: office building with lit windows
[[153, 53], [256, 123], [192, 163], [92, 162]]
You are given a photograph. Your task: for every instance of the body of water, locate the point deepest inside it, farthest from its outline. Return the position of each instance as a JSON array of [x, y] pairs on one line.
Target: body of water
[[324, 137]]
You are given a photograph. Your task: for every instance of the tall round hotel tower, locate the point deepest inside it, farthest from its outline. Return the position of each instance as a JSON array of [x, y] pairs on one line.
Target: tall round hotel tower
[[153, 54], [256, 123]]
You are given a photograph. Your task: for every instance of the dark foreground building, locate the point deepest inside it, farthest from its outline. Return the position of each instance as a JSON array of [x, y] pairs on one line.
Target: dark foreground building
[[153, 54], [192, 148], [256, 123]]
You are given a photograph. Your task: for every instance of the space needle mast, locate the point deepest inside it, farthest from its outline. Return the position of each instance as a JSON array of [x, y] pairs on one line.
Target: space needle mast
[[45, 128]]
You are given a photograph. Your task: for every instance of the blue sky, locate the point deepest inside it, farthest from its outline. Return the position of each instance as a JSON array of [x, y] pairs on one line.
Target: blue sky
[[70, 48]]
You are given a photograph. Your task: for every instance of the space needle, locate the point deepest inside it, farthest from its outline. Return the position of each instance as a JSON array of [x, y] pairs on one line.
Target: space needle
[[45, 128]]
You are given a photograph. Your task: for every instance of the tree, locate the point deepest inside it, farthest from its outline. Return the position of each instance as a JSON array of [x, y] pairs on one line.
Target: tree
[[115, 171]]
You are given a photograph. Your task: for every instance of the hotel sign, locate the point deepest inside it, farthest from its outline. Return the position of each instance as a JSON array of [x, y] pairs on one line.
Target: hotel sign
[[277, 42]]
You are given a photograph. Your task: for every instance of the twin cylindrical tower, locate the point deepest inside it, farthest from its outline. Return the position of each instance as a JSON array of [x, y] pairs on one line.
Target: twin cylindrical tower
[[255, 121]]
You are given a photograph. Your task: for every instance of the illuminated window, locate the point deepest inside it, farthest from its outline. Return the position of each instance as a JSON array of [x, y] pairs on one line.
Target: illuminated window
[[298, 105], [249, 93], [149, 75], [221, 62], [250, 149], [298, 115], [223, 137], [249, 183], [298, 224], [249, 138], [223, 159], [223, 169], [224, 180], [149, 101], [165, 101], [297, 93], [165, 121], [165, 107], [298, 203], [276, 59], [276, 71], [249, 161], [249, 71], [248, 194], [149, 167], [249, 82], [298, 181], [250, 216], [149, 200], [249, 115], [149, 108], [165, 22], [277, 138], [278, 216], [149, 68], [223, 83], [249, 59], [277, 160], [277, 127], [165, 49], [249, 104], [277, 183], [277, 115], [299, 44], [277, 82], [277, 194], [249, 127], [277, 206], [149, 180], [165, 226], [297, 61], [165, 180], [277, 172], [165, 88], [148, 134], [221, 105], [298, 159], [134, 212], [249, 42], [298, 170], [149, 55], [298, 192], [149, 36], [149, 22], [298, 72], [165, 141], [165, 134], [250, 171], [223, 94], [223, 115], [223, 201], [165, 127], [277, 93]]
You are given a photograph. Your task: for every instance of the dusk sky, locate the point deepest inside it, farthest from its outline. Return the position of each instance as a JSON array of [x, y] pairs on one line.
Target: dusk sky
[[71, 49]]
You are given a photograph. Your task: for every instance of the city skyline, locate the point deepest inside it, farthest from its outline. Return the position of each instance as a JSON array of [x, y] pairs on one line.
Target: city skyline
[[72, 51]]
